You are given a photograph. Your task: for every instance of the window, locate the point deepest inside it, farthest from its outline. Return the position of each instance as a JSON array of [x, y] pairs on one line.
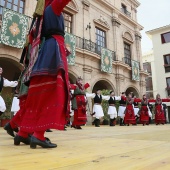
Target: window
[[168, 81], [168, 85], [165, 37], [16, 5], [147, 67], [167, 63], [127, 53], [149, 85], [124, 10], [67, 22], [100, 38]]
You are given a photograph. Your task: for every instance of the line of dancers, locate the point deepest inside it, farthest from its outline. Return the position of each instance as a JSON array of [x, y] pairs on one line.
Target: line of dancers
[[44, 88], [128, 111]]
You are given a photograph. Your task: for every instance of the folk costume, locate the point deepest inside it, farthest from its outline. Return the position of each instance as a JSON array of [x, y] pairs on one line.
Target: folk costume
[[122, 107], [5, 83], [15, 122], [136, 108], [79, 105], [48, 79], [97, 108], [159, 112], [112, 109], [129, 112], [144, 112], [15, 104]]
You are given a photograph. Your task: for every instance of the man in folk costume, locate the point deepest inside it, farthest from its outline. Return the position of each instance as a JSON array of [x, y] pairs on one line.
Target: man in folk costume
[[79, 104], [48, 79], [122, 107], [4, 83], [112, 109], [97, 108]]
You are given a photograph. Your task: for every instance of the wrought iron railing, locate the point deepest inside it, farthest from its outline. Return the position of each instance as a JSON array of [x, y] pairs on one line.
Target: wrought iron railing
[[91, 46], [126, 12], [80, 42], [127, 60]]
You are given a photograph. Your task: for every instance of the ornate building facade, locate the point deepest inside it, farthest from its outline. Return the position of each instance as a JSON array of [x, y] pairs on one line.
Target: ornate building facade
[[97, 24]]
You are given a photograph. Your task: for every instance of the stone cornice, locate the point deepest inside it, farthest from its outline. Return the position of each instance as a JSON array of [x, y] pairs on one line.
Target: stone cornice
[[116, 21], [86, 4], [111, 7], [101, 22]]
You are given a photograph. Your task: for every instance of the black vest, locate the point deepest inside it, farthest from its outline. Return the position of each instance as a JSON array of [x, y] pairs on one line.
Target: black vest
[[1, 83], [122, 101], [97, 99], [135, 103], [111, 100]]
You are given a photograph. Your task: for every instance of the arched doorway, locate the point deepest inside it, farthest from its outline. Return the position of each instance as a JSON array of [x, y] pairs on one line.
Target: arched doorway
[[72, 78], [102, 84], [132, 89], [11, 71]]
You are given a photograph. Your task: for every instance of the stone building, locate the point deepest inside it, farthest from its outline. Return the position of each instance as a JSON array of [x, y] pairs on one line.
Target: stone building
[[159, 59], [96, 24]]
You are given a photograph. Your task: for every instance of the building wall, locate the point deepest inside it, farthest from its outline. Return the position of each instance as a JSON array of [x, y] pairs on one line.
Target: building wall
[[101, 14], [155, 57], [159, 50]]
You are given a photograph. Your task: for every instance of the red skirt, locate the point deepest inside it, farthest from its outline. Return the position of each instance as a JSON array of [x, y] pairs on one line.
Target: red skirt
[[159, 115], [129, 115], [80, 117], [17, 119], [46, 104], [144, 115]]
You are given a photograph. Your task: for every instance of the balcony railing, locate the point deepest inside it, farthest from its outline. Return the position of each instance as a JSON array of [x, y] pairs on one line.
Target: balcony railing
[[91, 46], [126, 12], [80, 42], [127, 60]]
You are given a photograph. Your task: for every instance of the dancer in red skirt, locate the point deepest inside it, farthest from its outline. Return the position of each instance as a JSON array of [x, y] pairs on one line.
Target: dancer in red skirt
[[144, 112], [47, 103], [159, 112], [129, 112], [79, 104]]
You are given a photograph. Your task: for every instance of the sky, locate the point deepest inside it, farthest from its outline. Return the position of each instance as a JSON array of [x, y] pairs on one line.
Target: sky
[[152, 14]]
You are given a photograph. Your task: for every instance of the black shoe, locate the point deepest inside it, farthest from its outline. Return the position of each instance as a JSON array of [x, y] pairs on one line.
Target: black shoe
[[73, 126], [78, 127], [9, 129], [18, 139], [44, 144], [48, 130]]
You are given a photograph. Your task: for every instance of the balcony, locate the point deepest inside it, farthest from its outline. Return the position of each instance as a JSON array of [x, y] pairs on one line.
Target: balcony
[[83, 43], [127, 61], [124, 10]]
